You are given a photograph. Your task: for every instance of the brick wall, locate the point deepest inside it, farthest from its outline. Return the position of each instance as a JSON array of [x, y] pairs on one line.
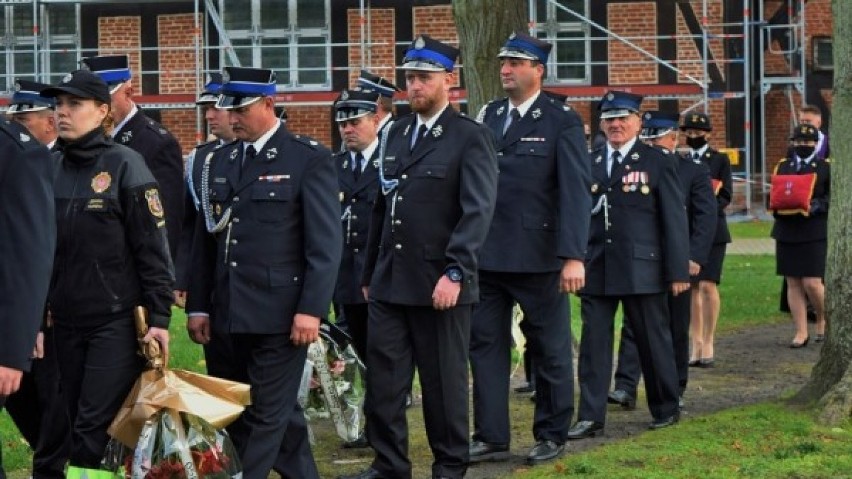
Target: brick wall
[[688, 56], [181, 123], [380, 58], [176, 37], [642, 22], [122, 35], [818, 23], [313, 121]]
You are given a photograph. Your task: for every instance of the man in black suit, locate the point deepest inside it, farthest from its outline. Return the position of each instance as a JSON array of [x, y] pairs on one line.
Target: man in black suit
[[217, 345], [147, 137], [26, 251], [37, 409], [439, 182], [533, 255], [358, 177], [661, 129], [706, 302], [638, 250], [265, 258]]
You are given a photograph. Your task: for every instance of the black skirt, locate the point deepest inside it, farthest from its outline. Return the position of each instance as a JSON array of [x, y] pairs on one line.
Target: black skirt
[[712, 269], [801, 260]]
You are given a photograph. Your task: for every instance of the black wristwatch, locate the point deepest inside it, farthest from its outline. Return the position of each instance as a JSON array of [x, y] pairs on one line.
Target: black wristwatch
[[454, 274]]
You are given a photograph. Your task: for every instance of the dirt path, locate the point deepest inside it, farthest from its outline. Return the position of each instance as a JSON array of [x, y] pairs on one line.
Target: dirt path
[[753, 365]]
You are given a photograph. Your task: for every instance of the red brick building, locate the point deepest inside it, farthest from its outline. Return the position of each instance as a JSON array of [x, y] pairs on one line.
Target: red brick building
[[741, 59]]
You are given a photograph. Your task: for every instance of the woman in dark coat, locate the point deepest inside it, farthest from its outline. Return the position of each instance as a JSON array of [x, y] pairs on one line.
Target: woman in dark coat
[[801, 236]]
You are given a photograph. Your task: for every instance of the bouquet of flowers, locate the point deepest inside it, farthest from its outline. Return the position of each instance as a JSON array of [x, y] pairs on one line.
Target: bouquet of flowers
[[175, 445], [333, 383]]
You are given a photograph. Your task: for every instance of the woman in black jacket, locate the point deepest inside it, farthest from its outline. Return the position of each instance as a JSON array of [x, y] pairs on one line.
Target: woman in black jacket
[[111, 256], [801, 237]]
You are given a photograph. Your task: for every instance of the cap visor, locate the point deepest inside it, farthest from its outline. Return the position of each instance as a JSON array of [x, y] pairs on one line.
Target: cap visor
[[510, 53], [345, 115], [230, 102], [207, 99], [13, 109], [59, 90], [615, 113], [114, 88], [422, 66]]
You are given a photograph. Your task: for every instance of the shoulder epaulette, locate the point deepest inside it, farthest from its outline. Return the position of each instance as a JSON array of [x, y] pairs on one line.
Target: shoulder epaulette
[[308, 141], [18, 134]]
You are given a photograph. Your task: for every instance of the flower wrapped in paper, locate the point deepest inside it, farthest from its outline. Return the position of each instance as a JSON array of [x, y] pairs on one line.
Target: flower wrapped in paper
[[217, 401], [174, 445], [333, 383]]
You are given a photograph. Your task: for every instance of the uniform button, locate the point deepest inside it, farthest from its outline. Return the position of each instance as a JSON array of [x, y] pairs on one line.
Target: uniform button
[[236, 198], [397, 222], [295, 278], [354, 233], [354, 217], [355, 250], [236, 220], [545, 225], [398, 199], [271, 193], [609, 189], [608, 240], [354, 200], [233, 241], [397, 246], [233, 264], [404, 177]]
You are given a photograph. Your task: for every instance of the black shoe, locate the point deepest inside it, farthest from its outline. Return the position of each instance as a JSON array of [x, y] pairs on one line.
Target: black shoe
[[695, 363], [532, 397], [795, 345], [369, 473], [819, 338], [359, 443], [525, 389], [483, 451], [706, 363], [622, 397], [665, 422], [544, 451], [584, 429]]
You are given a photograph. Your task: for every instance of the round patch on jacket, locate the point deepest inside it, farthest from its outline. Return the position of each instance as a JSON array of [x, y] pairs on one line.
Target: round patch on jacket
[[101, 182], [154, 205]]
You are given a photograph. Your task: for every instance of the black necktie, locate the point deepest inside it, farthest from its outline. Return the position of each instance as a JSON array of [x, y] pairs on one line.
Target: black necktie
[[514, 116], [249, 154], [421, 132], [696, 156], [616, 160], [358, 164]]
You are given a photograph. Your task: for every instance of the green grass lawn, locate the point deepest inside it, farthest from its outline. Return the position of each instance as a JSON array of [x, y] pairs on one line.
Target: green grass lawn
[[750, 229]]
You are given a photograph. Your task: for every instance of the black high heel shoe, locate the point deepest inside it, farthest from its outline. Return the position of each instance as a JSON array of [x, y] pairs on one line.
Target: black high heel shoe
[[795, 345]]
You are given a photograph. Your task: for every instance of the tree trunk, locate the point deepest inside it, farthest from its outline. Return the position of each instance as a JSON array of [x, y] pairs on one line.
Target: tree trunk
[[483, 27], [831, 378]]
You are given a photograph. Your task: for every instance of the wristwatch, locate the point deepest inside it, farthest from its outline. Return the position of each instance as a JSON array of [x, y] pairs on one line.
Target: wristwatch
[[454, 274]]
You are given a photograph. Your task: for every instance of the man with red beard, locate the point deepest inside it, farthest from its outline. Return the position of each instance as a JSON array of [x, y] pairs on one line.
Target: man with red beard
[[438, 176]]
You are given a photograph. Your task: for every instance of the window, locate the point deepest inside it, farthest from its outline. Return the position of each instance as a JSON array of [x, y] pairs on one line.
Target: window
[[569, 59], [823, 54], [45, 57], [291, 37]]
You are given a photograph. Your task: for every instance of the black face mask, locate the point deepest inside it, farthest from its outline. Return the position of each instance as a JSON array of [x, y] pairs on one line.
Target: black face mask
[[804, 151], [696, 142]]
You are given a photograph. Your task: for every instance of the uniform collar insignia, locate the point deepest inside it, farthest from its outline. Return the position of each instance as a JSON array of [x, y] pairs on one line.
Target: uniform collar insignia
[[271, 153], [346, 164], [25, 138], [437, 130], [536, 113], [598, 159], [376, 163], [634, 156], [126, 136], [405, 133], [234, 154], [500, 110]]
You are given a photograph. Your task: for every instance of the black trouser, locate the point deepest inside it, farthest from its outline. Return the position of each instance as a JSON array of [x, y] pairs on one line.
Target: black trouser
[[628, 371], [437, 343], [271, 433], [548, 332], [98, 367], [356, 326], [219, 354], [39, 412], [649, 316]]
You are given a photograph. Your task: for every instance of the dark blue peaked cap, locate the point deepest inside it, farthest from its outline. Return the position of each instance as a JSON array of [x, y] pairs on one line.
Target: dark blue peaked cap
[[113, 69], [658, 123], [244, 86], [521, 45], [619, 103], [355, 103], [211, 89], [427, 54], [27, 98], [371, 81]]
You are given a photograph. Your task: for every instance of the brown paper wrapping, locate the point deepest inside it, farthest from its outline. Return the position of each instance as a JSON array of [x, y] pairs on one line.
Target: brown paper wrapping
[[217, 401]]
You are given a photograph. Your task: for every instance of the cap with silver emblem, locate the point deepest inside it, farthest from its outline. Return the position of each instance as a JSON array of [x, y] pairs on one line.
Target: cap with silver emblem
[[616, 104], [427, 54], [521, 45], [658, 123], [27, 98], [113, 69], [211, 89], [355, 103], [244, 86]]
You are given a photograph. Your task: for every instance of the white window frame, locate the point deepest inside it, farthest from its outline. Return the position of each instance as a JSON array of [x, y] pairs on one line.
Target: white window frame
[[292, 33], [548, 25], [68, 42]]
